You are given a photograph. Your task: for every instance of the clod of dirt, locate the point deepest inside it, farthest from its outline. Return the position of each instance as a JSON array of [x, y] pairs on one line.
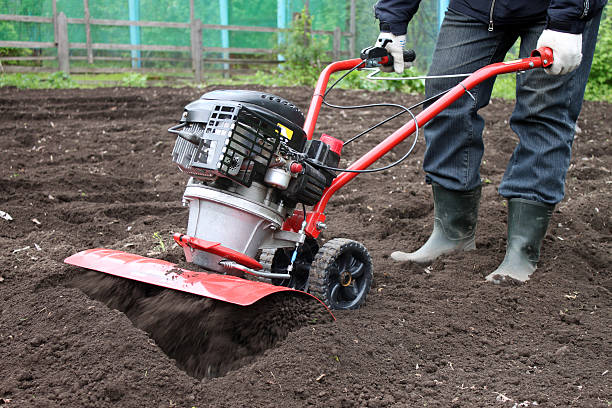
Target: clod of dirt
[[206, 337], [569, 319]]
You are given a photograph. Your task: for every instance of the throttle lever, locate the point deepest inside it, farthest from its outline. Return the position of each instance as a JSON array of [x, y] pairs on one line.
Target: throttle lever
[[378, 56]]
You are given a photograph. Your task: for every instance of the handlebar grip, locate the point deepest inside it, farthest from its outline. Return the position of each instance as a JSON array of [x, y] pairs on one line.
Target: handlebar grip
[[546, 54], [409, 56]]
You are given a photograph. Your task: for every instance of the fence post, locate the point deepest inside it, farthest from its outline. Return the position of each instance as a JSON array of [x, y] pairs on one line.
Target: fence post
[[54, 6], [88, 32], [197, 50], [134, 15], [337, 42], [225, 43], [63, 52], [192, 31], [352, 29]]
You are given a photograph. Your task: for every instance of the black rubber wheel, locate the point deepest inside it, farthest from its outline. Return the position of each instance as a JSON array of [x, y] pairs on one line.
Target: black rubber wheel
[[341, 274], [277, 261]]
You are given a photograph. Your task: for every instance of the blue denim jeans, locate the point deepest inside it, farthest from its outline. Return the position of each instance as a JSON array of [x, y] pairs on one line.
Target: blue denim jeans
[[544, 116]]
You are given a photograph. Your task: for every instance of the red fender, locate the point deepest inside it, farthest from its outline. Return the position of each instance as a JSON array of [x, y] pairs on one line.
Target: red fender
[[227, 288]]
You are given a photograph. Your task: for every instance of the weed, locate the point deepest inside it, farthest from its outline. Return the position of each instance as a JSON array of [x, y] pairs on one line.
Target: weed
[[160, 241], [60, 80], [135, 80], [56, 80]]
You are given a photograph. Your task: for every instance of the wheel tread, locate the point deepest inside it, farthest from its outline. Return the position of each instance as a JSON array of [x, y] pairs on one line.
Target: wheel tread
[[319, 276], [266, 258]]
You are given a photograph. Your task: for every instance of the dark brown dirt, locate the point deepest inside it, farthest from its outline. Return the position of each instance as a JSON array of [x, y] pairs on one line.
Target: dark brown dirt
[[85, 169], [207, 338]]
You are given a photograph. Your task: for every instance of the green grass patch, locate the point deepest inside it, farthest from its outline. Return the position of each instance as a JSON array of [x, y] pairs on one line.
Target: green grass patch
[[598, 92], [55, 80], [61, 80], [504, 87], [354, 80]]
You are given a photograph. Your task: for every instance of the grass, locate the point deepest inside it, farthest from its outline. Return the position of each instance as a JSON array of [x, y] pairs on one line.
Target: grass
[[504, 87], [160, 241], [60, 80], [504, 84], [355, 80]]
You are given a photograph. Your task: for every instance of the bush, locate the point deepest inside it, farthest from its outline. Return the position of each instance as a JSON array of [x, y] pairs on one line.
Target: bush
[[359, 81], [56, 80], [600, 79], [306, 56], [8, 33], [60, 80], [303, 53]]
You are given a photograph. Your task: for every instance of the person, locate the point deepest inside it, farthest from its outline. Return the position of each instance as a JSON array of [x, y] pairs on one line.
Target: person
[[473, 34]]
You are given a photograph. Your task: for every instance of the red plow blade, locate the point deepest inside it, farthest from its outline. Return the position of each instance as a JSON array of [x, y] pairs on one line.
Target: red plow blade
[[157, 272]]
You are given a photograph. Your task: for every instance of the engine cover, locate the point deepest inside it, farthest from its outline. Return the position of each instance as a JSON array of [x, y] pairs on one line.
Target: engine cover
[[272, 107], [235, 134], [281, 107]]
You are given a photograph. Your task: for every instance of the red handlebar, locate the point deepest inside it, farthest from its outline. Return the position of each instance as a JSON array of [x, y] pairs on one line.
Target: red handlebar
[[546, 54], [542, 57]]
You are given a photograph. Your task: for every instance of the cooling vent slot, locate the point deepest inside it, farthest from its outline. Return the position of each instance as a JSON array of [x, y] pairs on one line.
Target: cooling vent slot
[[236, 143]]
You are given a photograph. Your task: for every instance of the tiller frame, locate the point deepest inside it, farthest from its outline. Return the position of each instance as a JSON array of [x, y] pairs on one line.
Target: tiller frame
[[244, 292]]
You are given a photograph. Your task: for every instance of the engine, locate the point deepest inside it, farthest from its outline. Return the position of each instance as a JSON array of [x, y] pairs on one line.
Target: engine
[[250, 164]]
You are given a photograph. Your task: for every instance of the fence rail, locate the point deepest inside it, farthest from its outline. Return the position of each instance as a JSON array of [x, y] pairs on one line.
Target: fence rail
[[196, 49], [142, 23]]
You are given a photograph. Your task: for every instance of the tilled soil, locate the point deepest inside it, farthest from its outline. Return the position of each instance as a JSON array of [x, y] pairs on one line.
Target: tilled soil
[[92, 168]]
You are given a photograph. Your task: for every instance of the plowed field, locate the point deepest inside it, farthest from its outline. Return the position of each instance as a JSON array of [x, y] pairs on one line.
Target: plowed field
[[92, 168]]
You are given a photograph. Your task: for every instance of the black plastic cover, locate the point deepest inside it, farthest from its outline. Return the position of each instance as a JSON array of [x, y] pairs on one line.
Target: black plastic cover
[[276, 104], [274, 108], [321, 153], [308, 187]]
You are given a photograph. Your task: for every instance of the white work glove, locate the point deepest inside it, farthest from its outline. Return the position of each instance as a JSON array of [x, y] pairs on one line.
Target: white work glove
[[395, 47], [566, 48]]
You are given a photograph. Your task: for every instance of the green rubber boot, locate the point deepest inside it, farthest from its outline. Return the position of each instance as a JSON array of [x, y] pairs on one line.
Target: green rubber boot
[[455, 216], [527, 224]]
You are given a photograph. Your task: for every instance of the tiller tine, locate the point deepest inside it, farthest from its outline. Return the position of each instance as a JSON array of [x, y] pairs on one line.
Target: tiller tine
[[227, 288]]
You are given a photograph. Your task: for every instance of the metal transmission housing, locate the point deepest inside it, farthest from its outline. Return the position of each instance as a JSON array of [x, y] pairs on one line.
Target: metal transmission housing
[[235, 146]]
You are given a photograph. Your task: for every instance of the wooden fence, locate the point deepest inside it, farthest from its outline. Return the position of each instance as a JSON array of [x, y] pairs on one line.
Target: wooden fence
[[196, 49]]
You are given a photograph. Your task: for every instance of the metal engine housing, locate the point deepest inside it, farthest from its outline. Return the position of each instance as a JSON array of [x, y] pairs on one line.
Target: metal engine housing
[[229, 142]]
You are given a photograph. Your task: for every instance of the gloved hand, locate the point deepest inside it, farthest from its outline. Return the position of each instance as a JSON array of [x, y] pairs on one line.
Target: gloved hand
[[567, 51], [395, 47]]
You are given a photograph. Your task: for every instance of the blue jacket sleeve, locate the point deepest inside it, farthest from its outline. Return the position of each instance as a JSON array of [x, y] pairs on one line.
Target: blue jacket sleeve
[[570, 16], [394, 15]]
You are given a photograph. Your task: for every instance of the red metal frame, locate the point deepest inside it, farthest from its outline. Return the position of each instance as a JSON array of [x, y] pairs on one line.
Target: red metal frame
[[240, 291], [158, 272], [539, 58], [188, 243]]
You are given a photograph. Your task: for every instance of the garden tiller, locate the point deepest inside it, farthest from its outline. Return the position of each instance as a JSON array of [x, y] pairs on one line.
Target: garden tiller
[[254, 166]]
